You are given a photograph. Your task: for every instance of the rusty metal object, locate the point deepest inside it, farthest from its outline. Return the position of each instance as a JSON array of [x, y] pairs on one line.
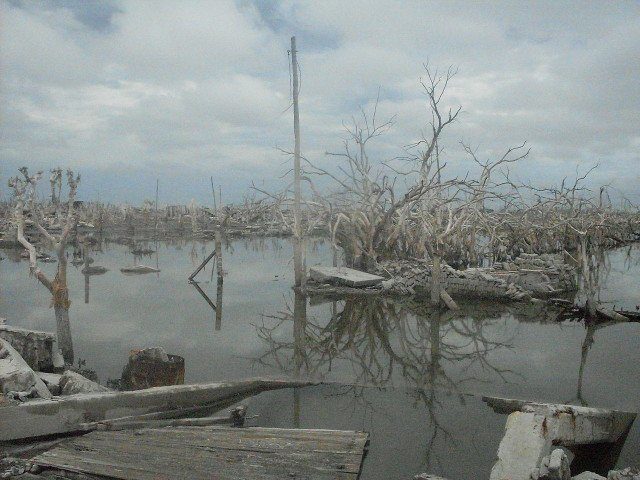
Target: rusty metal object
[[152, 368]]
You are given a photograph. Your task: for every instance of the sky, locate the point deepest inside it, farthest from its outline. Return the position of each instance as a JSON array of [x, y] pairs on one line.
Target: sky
[[127, 92]]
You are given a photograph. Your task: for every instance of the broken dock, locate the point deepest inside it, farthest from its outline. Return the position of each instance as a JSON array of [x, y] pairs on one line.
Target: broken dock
[[194, 453]]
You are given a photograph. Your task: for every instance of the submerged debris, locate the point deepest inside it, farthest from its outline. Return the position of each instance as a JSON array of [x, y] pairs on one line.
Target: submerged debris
[[152, 367], [139, 269]]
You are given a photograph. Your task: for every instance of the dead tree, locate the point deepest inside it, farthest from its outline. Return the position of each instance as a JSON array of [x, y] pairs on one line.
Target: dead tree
[[24, 189]]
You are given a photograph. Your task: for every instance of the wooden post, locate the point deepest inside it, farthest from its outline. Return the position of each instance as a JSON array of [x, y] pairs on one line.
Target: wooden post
[[218, 238], [213, 192], [297, 234]]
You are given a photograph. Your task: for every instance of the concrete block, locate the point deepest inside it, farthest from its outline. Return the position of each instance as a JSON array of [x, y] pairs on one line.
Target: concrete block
[[344, 276]]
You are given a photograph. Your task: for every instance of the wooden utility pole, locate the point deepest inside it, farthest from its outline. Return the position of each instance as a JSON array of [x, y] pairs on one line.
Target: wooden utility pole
[[213, 192], [218, 236], [157, 188], [297, 234]]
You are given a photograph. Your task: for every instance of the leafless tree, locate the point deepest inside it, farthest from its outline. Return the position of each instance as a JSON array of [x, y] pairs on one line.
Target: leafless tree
[[25, 192]]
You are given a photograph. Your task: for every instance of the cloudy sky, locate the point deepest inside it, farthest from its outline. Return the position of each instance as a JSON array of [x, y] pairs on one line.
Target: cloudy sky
[[128, 91]]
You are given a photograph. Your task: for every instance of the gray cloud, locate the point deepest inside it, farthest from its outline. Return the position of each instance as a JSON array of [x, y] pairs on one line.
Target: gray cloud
[[193, 89]]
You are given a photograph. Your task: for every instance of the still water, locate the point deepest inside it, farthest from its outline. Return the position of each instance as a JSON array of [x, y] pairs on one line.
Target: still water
[[410, 376]]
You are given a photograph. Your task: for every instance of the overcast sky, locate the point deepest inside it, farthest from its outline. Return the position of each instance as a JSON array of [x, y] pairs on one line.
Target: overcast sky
[[128, 91]]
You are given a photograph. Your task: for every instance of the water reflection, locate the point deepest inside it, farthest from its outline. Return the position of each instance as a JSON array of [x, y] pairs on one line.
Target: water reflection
[[377, 336], [216, 307], [436, 352]]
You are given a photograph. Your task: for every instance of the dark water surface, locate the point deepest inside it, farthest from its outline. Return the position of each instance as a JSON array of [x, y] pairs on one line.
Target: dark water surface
[[419, 374]]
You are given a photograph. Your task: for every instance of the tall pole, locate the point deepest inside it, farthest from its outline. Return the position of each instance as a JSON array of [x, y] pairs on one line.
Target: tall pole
[[157, 188], [297, 248]]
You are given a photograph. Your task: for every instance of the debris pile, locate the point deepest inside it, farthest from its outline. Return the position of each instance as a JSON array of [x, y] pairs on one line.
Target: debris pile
[[408, 276]]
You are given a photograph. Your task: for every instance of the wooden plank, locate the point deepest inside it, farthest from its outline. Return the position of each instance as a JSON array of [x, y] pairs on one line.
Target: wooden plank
[[223, 453], [344, 276]]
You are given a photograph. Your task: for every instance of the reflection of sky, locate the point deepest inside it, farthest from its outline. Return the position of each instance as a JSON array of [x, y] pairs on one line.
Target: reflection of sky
[[127, 312], [134, 311]]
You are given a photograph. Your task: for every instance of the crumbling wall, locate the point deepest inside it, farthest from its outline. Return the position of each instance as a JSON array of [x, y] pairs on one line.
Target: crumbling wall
[[36, 348]]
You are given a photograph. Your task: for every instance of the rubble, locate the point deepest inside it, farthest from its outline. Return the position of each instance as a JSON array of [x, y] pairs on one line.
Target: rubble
[[553, 467], [344, 276], [532, 429], [588, 476], [626, 474], [408, 276], [72, 382], [38, 349], [17, 379]]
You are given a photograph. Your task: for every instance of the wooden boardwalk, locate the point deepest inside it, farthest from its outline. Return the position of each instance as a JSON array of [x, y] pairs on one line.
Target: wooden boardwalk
[[221, 453]]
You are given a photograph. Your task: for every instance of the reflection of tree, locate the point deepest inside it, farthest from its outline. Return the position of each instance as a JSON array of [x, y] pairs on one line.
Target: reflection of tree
[[433, 350], [591, 328]]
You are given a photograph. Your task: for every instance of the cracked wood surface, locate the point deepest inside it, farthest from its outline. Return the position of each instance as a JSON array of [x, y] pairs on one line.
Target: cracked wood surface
[[211, 452]]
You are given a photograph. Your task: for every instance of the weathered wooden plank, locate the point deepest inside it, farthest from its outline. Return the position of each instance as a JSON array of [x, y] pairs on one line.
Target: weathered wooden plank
[[268, 441], [212, 452]]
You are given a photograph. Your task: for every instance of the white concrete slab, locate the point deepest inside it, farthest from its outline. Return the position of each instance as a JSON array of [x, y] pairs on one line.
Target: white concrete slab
[[344, 276]]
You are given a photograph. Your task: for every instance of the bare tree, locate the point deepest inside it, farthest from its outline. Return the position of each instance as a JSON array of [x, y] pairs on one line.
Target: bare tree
[[25, 191]]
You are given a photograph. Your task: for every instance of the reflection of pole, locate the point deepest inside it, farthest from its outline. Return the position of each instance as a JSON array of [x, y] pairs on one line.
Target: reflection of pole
[[299, 326], [86, 275], [86, 288], [202, 265], [219, 301]]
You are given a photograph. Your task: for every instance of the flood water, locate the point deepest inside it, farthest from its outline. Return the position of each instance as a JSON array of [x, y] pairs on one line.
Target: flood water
[[410, 376]]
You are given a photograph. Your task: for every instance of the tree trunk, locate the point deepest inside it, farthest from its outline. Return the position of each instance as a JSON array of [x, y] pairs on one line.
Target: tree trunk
[[61, 307], [63, 330], [588, 279]]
